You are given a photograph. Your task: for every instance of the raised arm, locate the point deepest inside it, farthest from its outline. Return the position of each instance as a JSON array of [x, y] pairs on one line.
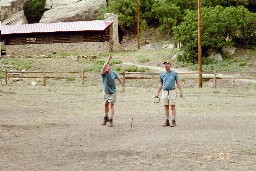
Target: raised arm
[[106, 64]]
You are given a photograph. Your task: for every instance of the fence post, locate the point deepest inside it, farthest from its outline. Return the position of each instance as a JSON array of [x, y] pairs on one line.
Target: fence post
[[124, 78], [44, 84], [6, 76], [215, 79], [82, 77]]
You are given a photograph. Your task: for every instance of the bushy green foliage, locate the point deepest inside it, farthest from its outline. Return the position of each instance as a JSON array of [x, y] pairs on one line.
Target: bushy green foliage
[[220, 27], [126, 10], [33, 10], [131, 68], [168, 15], [161, 14], [3, 47]]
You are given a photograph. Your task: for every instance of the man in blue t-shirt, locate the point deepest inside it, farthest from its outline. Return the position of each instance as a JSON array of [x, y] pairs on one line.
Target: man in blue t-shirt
[[109, 90], [168, 81]]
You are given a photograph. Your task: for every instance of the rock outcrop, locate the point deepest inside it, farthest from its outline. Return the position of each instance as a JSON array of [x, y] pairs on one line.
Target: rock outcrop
[[57, 11], [71, 10], [12, 12]]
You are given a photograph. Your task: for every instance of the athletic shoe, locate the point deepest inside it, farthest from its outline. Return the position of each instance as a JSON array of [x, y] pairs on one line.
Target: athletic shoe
[[167, 123], [106, 119], [110, 123], [173, 123]]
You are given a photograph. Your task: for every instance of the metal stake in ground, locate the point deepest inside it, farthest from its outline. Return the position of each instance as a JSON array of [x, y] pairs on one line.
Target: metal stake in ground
[[131, 122]]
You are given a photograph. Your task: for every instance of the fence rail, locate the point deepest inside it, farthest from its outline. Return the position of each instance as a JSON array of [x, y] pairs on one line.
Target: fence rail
[[194, 75], [44, 75], [7, 74]]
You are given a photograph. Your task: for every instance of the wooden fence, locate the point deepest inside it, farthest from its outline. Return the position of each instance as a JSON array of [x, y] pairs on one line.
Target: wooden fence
[[194, 75], [126, 75], [44, 75]]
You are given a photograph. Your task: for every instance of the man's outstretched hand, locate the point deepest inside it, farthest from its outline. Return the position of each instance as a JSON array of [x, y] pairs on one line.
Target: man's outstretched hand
[[109, 57]]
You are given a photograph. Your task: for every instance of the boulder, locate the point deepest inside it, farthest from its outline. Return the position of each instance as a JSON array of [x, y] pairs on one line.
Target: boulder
[[71, 10], [216, 56], [228, 51], [12, 12], [168, 46], [175, 57], [56, 11], [213, 54]]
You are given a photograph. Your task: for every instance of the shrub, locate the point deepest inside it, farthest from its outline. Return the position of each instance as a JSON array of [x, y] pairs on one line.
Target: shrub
[[118, 69], [115, 61], [33, 10], [93, 69], [220, 27], [131, 68], [143, 69], [143, 59]]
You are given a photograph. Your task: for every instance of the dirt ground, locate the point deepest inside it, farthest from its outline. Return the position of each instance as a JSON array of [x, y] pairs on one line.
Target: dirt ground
[[57, 127]]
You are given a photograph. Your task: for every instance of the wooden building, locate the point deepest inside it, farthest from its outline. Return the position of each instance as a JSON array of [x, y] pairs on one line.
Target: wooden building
[[59, 35]]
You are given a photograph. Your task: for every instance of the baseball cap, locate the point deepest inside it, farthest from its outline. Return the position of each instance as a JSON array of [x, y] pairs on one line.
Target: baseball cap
[[165, 62]]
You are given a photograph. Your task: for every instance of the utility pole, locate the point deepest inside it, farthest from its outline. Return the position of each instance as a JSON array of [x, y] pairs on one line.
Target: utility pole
[[200, 46], [138, 23]]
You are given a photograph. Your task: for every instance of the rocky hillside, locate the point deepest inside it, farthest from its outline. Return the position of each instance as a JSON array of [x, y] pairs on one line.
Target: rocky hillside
[[56, 11]]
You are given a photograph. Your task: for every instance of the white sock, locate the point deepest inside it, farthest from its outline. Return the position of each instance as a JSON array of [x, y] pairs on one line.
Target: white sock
[[167, 114], [112, 114], [106, 114]]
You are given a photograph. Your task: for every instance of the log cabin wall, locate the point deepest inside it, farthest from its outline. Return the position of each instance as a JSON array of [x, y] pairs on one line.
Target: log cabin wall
[[58, 42], [59, 37]]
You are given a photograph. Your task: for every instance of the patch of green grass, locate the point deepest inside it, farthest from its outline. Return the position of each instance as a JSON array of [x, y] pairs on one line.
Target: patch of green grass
[[143, 69], [229, 65], [115, 61], [65, 53], [100, 62], [133, 68], [70, 79], [17, 63], [2, 74], [94, 68], [243, 63], [143, 59], [97, 65], [118, 69]]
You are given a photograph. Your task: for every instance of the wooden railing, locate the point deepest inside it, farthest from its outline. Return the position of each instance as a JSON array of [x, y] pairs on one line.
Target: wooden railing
[[193, 75], [6, 75], [44, 75]]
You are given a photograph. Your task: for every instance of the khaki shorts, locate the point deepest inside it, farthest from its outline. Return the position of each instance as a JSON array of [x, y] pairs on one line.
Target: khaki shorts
[[169, 97], [109, 98]]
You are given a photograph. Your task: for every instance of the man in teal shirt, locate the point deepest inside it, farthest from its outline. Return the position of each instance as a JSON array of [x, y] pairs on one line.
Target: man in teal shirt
[[109, 90], [168, 81]]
